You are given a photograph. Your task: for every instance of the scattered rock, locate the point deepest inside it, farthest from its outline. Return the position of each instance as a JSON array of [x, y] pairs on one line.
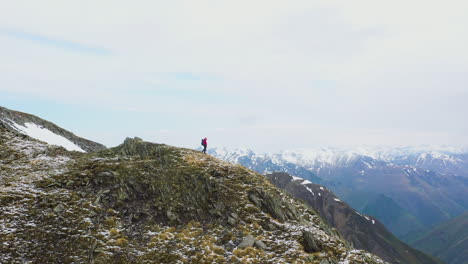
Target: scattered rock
[[59, 208], [105, 174], [330, 261], [248, 241], [70, 183], [311, 245], [231, 221], [269, 227], [216, 212], [267, 203], [226, 237], [97, 201], [311, 258], [260, 245], [171, 216]]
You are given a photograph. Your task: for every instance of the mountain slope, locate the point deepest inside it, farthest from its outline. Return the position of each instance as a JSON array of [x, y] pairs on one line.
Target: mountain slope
[[46, 131], [389, 212], [362, 231], [426, 197], [448, 241], [151, 203], [430, 197]]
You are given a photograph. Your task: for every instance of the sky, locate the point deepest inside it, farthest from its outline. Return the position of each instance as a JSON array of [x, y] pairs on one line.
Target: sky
[[267, 75]]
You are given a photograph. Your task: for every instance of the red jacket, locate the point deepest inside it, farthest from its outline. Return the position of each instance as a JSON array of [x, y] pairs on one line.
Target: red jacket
[[204, 142]]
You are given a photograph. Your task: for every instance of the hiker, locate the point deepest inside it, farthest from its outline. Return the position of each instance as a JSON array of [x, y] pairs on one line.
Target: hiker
[[204, 144]]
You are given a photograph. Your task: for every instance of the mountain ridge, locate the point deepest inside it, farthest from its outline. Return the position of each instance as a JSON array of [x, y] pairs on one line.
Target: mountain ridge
[[363, 231], [44, 130], [143, 202]]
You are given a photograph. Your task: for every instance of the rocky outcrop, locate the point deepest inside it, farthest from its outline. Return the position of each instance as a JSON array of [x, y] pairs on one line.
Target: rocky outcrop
[[311, 245], [272, 205]]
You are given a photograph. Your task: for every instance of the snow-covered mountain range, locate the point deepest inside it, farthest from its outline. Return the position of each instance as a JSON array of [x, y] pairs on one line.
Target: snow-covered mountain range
[[442, 159], [425, 186]]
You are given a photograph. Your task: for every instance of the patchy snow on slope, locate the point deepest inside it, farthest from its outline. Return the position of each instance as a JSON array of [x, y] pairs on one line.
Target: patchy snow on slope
[[310, 190], [45, 135], [306, 182], [406, 172], [367, 164], [297, 178]]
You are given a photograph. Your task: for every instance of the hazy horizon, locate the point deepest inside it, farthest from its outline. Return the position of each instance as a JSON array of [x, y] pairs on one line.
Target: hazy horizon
[[267, 75]]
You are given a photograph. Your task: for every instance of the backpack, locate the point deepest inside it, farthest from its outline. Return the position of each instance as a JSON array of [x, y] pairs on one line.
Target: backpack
[[202, 143]]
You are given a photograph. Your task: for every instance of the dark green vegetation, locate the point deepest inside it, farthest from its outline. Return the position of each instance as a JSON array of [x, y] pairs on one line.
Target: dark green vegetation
[[362, 231], [448, 241], [151, 203], [392, 215], [418, 199]]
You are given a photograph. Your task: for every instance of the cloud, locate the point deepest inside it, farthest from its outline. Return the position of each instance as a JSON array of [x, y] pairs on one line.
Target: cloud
[[54, 43], [335, 70]]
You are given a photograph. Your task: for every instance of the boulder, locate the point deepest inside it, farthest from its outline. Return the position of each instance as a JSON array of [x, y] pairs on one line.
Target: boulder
[[248, 241], [311, 245]]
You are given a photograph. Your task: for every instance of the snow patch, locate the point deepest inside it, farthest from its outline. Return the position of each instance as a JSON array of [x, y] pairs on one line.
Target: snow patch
[[367, 164], [405, 172], [310, 190], [297, 178], [45, 135]]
